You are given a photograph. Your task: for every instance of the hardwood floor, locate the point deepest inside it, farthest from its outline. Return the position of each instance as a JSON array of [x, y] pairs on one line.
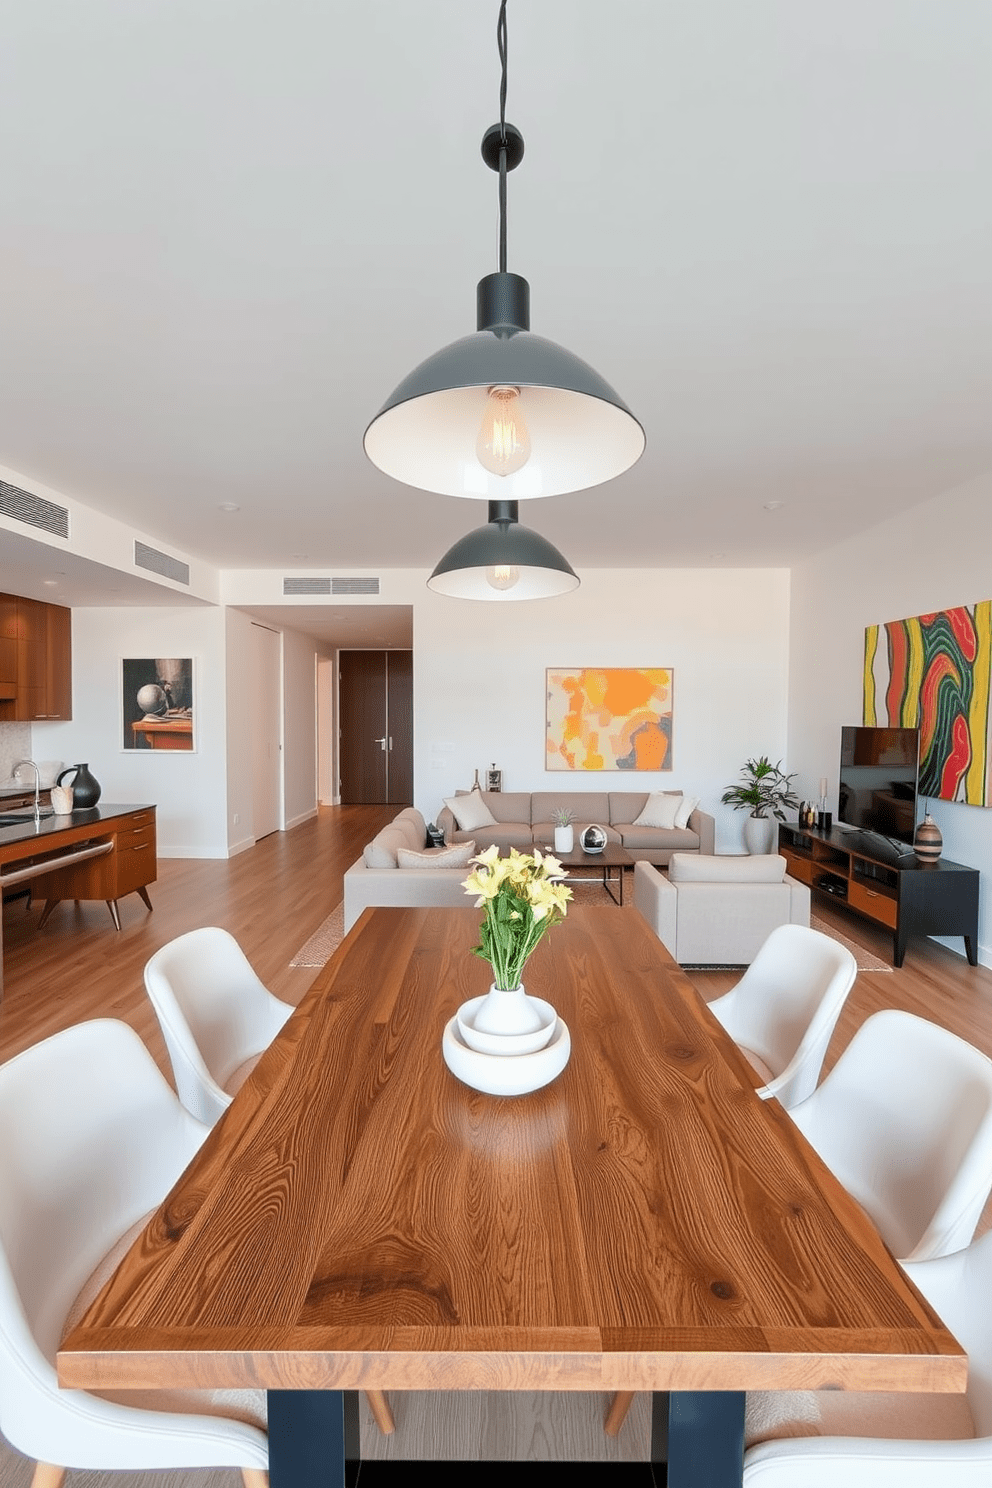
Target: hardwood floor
[[272, 899]]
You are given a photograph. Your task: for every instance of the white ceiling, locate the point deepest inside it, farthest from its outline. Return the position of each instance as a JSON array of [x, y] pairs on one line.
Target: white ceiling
[[228, 230]]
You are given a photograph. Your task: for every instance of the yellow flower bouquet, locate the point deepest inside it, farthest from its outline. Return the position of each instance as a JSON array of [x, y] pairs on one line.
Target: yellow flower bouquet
[[523, 895]]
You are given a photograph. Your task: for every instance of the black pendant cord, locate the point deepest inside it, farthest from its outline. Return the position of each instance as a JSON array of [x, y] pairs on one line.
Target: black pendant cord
[[501, 48]]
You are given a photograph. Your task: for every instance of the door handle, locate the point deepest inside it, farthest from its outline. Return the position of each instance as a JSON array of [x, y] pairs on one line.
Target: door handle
[[381, 743]]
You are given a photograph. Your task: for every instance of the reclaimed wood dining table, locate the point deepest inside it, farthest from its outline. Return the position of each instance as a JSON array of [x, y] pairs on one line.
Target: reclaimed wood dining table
[[360, 1220]]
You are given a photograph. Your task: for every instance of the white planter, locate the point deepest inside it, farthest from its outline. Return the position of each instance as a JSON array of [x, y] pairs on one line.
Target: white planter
[[759, 833], [564, 839]]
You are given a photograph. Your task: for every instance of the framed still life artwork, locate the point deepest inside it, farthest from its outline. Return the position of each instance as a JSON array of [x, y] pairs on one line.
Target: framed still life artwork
[[932, 672], [157, 704], [609, 718]]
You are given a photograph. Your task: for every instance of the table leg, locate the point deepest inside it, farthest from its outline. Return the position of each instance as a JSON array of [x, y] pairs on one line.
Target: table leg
[[313, 1438], [701, 1436]]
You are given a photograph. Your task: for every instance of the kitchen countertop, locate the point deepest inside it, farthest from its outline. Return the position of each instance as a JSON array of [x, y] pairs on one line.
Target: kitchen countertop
[[51, 828]]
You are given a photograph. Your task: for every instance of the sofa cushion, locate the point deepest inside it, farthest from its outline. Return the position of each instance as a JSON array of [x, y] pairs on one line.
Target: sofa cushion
[[626, 806], [659, 811], [508, 806], [470, 811], [456, 856], [503, 835], [585, 806], [701, 868], [655, 837], [381, 851], [685, 810]]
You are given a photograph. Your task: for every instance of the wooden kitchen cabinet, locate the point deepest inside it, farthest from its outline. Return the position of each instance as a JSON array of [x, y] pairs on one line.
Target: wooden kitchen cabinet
[[128, 868], [35, 660]]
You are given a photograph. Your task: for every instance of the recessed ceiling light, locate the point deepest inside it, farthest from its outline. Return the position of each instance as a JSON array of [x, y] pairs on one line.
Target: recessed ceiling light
[[773, 505], [228, 506], [51, 583]]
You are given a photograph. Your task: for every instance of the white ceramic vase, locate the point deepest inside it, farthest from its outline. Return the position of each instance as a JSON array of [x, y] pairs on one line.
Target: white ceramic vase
[[759, 832], [508, 1012], [564, 839]]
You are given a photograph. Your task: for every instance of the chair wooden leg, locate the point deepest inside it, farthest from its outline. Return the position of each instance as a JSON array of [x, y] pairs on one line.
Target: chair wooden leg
[[379, 1406], [254, 1477], [47, 1476], [617, 1413]]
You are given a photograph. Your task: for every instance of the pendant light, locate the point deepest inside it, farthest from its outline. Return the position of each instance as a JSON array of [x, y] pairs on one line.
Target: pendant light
[[502, 561], [503, 414]]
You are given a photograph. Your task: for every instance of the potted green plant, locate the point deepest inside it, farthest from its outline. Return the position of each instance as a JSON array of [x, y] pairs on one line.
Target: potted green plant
[[564, 831], [765, 793]]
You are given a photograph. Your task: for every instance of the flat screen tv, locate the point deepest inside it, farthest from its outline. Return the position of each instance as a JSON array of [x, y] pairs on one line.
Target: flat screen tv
[[878, 774]]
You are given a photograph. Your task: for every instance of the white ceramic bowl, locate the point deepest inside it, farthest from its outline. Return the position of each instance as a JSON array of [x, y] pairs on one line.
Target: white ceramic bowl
[[514, 1074], [504, 1045]]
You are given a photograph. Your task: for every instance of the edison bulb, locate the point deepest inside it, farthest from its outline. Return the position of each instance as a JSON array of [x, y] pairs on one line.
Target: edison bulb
[[502, 576], [503, 445]]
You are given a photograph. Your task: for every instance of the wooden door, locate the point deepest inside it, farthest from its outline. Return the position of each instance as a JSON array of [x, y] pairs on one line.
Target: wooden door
[[375, 707]]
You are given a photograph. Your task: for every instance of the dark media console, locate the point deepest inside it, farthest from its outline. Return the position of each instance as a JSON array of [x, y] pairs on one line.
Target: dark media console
[[870, 877]]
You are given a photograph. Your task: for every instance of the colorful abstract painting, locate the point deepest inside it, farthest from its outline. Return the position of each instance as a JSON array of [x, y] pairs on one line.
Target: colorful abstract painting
[[612, 718], [932, 673]]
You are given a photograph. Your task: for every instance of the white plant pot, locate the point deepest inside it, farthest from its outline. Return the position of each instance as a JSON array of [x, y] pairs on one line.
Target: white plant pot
[[564, 839], [759, 833]]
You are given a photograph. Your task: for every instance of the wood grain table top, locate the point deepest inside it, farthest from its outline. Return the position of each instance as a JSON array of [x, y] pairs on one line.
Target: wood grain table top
[[360, 1219]]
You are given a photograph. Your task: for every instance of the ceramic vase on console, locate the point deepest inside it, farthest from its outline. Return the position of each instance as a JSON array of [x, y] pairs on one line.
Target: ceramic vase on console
[[759, 832], [928, 843]]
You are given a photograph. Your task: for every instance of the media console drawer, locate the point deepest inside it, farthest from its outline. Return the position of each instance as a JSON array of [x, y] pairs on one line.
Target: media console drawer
[[870, 902]]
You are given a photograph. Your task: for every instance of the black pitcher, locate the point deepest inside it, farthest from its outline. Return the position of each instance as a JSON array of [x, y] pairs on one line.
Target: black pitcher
[[85, 787]]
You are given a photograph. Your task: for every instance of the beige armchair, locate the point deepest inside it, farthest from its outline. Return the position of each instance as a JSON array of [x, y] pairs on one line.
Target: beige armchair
[[718, 911]]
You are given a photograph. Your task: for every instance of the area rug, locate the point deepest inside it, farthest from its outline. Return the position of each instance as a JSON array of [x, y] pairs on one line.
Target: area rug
[[867, 960], [325, 940]]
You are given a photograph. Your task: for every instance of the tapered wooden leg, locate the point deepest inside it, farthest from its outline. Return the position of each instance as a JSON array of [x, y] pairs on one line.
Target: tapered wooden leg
[[47, 1476], [144, 894], [617, 1413], [114, 914], [379, 1406], [254, 1477], [49, 906]]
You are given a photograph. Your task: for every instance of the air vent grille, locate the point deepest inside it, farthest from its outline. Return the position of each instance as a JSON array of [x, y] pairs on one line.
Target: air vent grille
[[306, 586], [160, 563], [354, 586], [33, 510]]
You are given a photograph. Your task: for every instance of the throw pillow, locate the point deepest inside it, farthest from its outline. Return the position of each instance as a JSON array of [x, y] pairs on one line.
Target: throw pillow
[[456, 856], [687, 807], [470, 812], [659, 811]]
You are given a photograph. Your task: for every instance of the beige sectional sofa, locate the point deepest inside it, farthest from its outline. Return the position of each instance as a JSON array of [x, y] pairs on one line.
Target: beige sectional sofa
[[524, 819], [377, 878]]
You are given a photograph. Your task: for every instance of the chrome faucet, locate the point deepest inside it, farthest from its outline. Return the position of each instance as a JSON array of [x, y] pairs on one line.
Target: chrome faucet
[[37, 786]]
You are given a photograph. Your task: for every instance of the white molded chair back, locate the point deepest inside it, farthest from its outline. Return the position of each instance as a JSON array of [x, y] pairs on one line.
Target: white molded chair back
[[216, 1016], [93, 1139], [786, 1005], [959, 1288], [904, 1120]]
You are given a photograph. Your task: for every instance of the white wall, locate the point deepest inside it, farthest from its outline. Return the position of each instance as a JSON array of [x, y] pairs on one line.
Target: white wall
[[190, 790], [299, 665], [479, 678], [933, 558]]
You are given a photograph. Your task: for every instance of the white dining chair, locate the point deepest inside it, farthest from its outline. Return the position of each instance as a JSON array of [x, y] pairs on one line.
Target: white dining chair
[[91, 1140], [785, 1007], [217, 1018], [904, 1121], [850, 1439]]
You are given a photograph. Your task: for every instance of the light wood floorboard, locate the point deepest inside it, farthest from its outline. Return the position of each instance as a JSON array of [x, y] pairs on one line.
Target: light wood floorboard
[[272, 899]]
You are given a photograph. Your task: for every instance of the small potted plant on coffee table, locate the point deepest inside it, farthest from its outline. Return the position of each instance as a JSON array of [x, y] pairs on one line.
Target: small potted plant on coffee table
[[765, 794], [564, 831]]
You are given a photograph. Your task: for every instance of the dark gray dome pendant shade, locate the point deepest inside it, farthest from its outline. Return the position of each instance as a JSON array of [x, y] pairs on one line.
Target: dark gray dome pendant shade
[[502, 561], [581, 433]]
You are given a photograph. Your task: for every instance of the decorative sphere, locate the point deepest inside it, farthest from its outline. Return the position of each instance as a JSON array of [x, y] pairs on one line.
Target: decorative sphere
[[593, 839], [151, 699]]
